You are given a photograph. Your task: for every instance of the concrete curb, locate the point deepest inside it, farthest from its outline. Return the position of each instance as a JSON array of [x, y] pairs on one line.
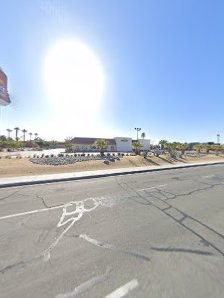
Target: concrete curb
[[65, 177]]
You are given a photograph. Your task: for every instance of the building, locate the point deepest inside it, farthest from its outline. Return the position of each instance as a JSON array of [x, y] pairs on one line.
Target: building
[[145, 144], [4, 96], [117, 144]]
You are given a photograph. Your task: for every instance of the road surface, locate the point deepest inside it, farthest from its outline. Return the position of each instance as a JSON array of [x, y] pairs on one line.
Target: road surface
[[158, 234]]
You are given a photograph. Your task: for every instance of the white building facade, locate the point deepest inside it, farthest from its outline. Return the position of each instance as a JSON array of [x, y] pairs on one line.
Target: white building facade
[[123, 144], [145, 144], [118, 144]]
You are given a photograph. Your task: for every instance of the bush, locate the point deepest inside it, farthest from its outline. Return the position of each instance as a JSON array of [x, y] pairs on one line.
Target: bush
[[145, 154]]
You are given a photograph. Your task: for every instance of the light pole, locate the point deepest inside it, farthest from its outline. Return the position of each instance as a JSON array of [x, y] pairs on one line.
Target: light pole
[[137, 129]]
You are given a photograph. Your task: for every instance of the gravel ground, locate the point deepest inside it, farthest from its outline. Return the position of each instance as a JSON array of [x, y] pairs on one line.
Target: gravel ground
[[67, 160]]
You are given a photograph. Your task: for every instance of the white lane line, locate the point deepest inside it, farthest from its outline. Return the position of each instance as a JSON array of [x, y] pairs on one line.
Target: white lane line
[[98, 200], [31, 212], [159, 186], [122, 291], [85, 286]]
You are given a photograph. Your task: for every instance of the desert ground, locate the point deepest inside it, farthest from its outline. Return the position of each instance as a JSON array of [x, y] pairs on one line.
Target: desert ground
[[24, 167]]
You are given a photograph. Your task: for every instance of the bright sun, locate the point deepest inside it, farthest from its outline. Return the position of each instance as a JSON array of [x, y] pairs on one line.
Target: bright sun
[[74, 77]]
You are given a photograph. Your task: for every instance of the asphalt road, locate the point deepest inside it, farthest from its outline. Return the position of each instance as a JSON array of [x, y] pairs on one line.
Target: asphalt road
[[158, 234]]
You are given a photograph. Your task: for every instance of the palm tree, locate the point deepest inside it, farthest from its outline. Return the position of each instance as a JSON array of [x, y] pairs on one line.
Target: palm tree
[[36, 134], [182, 147], [137, 146], [24, 134], [143, 135], [30, 133], [68, 144], [163, 143], [17, 129], [198, 148], [102, 145], [9, 131], [171, 148]]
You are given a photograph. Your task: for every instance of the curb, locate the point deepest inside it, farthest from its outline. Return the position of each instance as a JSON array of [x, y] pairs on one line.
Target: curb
[[102, 175]]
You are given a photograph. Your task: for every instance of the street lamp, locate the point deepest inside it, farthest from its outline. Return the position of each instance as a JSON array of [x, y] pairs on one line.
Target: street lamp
[[137, 129]]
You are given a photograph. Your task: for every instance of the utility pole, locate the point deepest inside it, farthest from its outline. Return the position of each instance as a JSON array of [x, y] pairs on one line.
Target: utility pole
[[137, 129]]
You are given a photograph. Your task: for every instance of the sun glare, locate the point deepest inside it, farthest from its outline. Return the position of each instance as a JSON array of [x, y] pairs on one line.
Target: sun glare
[[74, 78]]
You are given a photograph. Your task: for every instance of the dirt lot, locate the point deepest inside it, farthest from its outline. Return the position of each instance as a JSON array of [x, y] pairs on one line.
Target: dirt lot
[[23, 167]]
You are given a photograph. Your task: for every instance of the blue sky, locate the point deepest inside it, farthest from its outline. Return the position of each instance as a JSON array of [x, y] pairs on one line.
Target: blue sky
[[163, 63]]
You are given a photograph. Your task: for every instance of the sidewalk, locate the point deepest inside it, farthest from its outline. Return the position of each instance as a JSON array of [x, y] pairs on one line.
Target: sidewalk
[[51, 178]]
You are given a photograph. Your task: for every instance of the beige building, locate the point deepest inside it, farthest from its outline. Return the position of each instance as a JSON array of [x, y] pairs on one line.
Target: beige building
[[118, 144]]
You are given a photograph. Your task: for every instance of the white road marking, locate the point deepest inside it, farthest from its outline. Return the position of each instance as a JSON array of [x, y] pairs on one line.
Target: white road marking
[[75, 216], [85, 286], [208, 176], [122, 291], [31, 212], [96, 242], [51, 208], [159, 186]]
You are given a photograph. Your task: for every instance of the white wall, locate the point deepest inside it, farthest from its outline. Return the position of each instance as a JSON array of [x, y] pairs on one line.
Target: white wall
[[145, 143], [123, 144]]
